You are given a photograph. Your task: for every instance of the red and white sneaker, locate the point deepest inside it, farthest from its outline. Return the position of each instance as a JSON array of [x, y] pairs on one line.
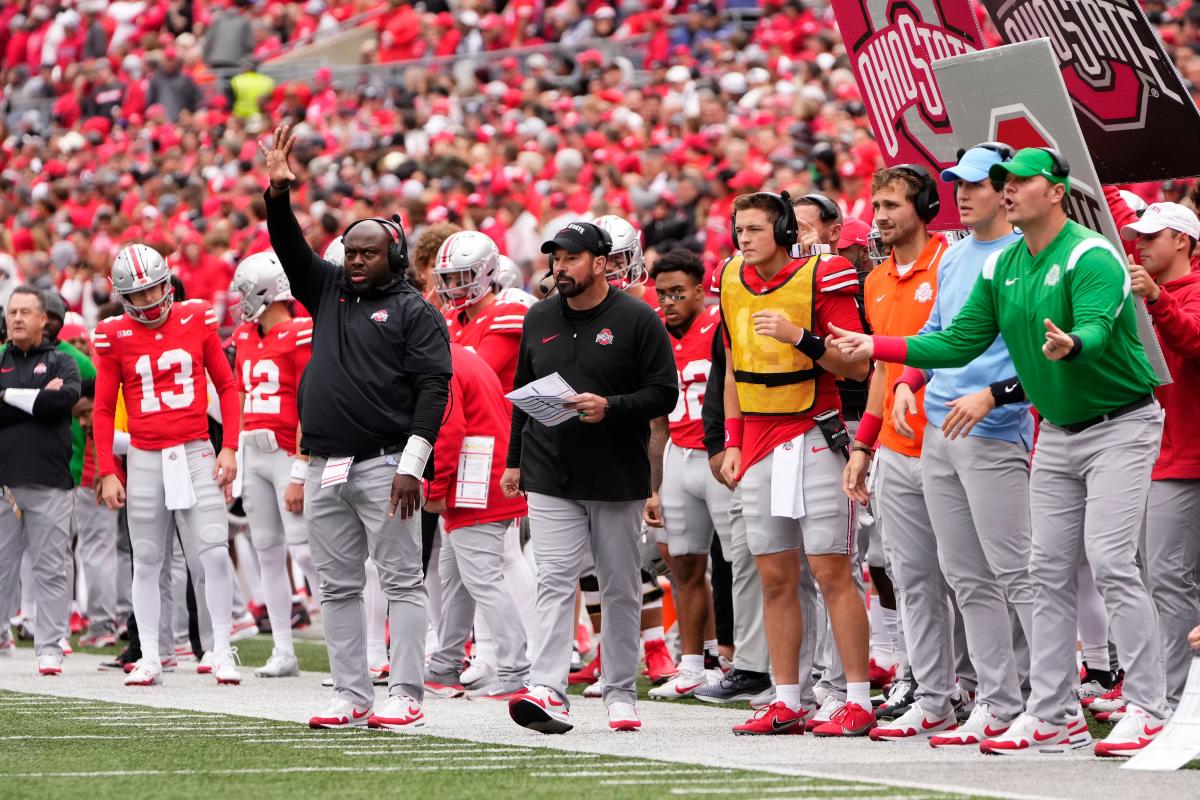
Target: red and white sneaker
[[540, 709], [1116, 715], [912, 725], [660, 667], [849, 720], [775, 719], [50, 665], [879, 675], [97, 639], [244, 627], [380, 673], [681, 686], [169, 663], [204, 665], [77, 623], [982, 724], [145, 673], [341, 713], [829, 706], [1136, 729], [589, 674], [623, 717], [1028, 734], [398, 713], [224, 667], [1111, 700], [66, 647]]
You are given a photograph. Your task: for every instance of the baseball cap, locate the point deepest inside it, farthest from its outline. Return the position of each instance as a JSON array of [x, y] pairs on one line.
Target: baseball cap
[[1160, 216], [55, 307], [854, 231], [1027, 163], [973, 166], [577, 237]]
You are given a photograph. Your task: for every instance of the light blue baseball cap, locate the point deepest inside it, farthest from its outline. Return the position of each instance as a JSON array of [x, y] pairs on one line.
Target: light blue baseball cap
[[973, 166]]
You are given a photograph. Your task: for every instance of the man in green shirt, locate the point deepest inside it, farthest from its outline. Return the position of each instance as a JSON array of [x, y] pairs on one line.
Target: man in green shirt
[[1061, 298]]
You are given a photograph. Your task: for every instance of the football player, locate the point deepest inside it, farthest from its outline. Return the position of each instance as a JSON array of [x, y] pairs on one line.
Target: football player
[[627, 269]]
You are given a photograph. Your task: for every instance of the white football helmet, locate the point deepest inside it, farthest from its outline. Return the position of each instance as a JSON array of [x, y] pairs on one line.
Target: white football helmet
[[335, 252], [258, 282], [626, 264], [139, 267], [508, 274], [464, 268]]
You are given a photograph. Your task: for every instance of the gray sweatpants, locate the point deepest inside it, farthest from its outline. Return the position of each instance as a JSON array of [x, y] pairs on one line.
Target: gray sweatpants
[[43, 529], [471, 567], [96, 527], [1089, 490], [347, 523], [1172, 561], [977, 493], [563, 531], [749, 636]]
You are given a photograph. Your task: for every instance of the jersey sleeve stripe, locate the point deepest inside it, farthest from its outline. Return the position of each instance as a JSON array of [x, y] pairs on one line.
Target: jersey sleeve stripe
[[510, 318], [840, 274], [842, 285]]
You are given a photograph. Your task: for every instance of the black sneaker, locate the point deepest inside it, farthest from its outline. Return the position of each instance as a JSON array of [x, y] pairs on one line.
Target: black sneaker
[[118, 663], [738, 686], [900, 697]]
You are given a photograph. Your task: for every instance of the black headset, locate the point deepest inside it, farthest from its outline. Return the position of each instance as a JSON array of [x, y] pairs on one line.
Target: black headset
[[926, 201], [786, 228], [397, 253], [606, 241], [829, 210], [1059, 167], [999, 148]]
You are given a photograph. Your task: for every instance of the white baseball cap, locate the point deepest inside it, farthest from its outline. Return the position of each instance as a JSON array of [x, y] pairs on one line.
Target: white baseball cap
[[1160, 216]]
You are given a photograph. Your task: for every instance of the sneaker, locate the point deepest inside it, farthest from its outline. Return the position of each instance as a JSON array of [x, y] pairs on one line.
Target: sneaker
[[762, 699], [589, 674], [244, 627], [97, 639], [736, 687], [50, 665], [1077, 729], [341, 713], [1029, 734], [279, 665], [849, 720], [117, 664], [477, 672], [398, 713], [963, 703], [880, 676], [1111, 700], [623, 717], [65, 646], [77, 623], [899, 699], [540, 709], [576, 659], [682, 685], [660, 667], [775, 719], [830, 705], [912, 725], [145, 673], [169, 663], [380, 673], [204, 665], [1136, 729], [982, 724], [181, 650], [596, 689], [224, 667], [443, 683], [300, 618], [495, 690], [1116, 715]]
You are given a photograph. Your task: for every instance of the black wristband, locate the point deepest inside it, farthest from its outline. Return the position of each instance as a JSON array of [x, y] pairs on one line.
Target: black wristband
[[287, 186], [1076, 346], [859, 447], [811, 345], [1007, 391]]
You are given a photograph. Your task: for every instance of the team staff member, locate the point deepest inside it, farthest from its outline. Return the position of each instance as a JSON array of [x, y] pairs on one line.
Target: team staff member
[[587, 479], [1093, 386], [779, 378], [39, 386], [1165, 238], [371, 402]]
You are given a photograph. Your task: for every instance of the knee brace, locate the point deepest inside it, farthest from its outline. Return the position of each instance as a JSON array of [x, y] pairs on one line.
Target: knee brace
[[590, 585], [146, 551]]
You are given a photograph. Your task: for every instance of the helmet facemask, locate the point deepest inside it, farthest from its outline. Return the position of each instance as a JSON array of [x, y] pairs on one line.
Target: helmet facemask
[[151, 314], [460, 288]]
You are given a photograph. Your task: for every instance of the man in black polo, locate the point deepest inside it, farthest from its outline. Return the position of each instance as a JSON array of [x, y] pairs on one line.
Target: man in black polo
[[371, 403], [587, 479]]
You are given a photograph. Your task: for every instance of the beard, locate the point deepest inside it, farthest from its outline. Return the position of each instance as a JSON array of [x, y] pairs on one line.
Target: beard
[[569, 287]]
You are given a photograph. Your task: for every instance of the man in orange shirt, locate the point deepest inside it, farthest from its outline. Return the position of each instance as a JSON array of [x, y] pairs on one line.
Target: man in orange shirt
[[898, 297]]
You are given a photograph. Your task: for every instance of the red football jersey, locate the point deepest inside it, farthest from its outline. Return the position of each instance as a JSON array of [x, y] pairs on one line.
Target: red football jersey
[[161, 372], [495, 334], [268, 369], [693, 360]]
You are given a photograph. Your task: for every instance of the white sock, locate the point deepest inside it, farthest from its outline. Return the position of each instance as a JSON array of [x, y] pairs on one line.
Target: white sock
[[278, 595], [859, 692], [376, 617], [691, 663], [147, 606], [653, 634], [218, 593], [249, 569], [302, 555], [789, 695]]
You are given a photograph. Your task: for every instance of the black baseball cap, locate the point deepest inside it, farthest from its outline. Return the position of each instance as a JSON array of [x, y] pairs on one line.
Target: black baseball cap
[[578, 237]]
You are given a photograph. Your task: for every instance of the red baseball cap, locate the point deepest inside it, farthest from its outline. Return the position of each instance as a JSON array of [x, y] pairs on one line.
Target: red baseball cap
[[854, 231]]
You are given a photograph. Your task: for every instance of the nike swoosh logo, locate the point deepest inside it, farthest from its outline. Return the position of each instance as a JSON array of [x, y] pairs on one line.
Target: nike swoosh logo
[[1010, 281], [1010, 388], [988, 730], [546, 339], [358, 715], [554, 701], [819, 449], [927, 725], [1044, 737], [283, 334], [681, 690], [777, 726], [186, 320], [880, 298], [1152, 731], [707, 328]]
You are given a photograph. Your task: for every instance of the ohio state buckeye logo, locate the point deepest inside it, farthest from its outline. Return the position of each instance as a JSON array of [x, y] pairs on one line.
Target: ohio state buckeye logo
[[380, 316], [604, 337]]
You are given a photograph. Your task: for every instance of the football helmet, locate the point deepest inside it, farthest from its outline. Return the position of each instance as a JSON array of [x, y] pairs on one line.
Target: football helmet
[[876, 249], [508, 274], [138, 267], [626, 265], [258, 282], [335, 252], [465, 268]]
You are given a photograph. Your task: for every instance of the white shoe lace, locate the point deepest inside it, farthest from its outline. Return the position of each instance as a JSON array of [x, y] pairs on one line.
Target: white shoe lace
[[829, 706]]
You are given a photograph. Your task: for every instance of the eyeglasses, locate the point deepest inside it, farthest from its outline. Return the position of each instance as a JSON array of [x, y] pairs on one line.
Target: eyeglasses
[[674, 298]]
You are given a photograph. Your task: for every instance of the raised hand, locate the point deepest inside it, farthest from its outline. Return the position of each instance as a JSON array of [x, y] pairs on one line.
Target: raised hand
[[279, 170], [1058, 344]]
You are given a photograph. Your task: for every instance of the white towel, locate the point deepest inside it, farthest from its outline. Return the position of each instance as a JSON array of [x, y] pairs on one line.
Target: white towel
[[177, 478], [236, 488], [787, 480], [337, 470]]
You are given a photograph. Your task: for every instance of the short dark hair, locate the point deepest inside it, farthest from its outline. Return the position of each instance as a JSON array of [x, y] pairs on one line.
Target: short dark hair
[[679, 259], [762, 201], [26, 289], [822, 203], [886, 177]]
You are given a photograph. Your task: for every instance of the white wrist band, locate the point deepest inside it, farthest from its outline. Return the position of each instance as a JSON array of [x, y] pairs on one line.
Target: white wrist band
[[120, 443], [299, 470], [412, 460]]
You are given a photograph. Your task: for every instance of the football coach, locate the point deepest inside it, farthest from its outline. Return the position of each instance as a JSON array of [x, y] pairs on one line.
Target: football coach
[[587, 479]]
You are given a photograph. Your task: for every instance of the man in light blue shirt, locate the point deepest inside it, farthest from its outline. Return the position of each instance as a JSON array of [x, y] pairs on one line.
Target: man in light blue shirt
[[975, 465]]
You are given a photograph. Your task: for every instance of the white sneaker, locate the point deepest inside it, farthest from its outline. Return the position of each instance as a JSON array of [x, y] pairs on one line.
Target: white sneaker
[[1029, 734], [50, 665], [224, 667], [398, 713], [204, 665], [479, 671], [595, 689], [913, 724], [341, 713], [65, 646], [145, 673], [279, 665], [832, 703], [682, 685], [244, 627], [540, 709], [763, 699], [1128, 737], [982, 724], [623, 717]]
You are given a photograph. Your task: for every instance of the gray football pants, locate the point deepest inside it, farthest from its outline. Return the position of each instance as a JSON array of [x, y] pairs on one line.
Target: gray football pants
[[96, 527], [471, 567], [1088, 490], [348, 523], [43, 529], [563, 531], [1172, 561], [977, 493], [749, 636]]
